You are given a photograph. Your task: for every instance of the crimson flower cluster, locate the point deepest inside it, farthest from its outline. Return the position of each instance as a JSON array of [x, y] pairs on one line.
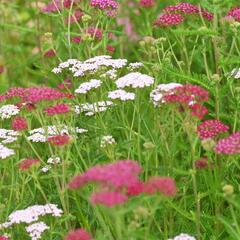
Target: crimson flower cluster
[[119, 180], [191, 97], [78, 234], [174, 15], [19, 123], [211, 129], [57, 109], [28, 163], [104, 4], [59, 140]]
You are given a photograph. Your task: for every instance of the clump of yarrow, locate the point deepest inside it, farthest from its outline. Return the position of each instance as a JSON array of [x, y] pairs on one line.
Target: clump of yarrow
[[157, 95], [43, 134], [30, 216]]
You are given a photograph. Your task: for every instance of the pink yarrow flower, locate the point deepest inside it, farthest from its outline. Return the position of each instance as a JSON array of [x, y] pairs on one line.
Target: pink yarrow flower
[[163, 185], [57, 109], [187, 8], [28, 163], [104, 4], [147, 3], [229, 145], [201, 163], [96, 33], [108, 199], [211, 129], [120, 174], [59, 140], [19, 123], [78, 234], [234, 13], [169, 19], [50, 53], [57, 5]]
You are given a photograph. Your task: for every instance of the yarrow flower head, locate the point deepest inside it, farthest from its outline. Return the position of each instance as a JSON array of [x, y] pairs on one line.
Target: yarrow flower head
[[28, 163], [7, 111], [135, 80], [108, 199], [78, 234], [87, 86], [35, 230], [59, 140], [104, 4], [163, 185], [5, 152], [234, 13], [183, 236], [188, 9], [19, 124], [57, 109], [169, 19], [229, 145], [121, 95], [4, 238], [211, 129]]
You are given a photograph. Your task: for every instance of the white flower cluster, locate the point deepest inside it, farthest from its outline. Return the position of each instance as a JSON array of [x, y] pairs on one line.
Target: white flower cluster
[[31, 214], [7, 111], [5, 152], [87, 86], [42, 134], [121, 94], [107, 140], [157, 94], [135, 80], [51, 161], [91, 108], [183, 236], [236, 73], [91, 65], [35, 230], [134, 66], [8, 136]]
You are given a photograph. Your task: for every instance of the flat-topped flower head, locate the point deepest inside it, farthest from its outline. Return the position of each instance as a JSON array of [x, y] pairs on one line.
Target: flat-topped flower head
[[121, 95], [28, 163], [59, 140], [234, 13], [183, 236], [135, 80], [211, 129], [104, 4], [5, 152], [87, 86], [57, 109], [169, 19], [78, 234], [35, 230], [9, 110], [108, 199], [229, 145], [189, 9], [122, 173], [19, 123], [163, 185]]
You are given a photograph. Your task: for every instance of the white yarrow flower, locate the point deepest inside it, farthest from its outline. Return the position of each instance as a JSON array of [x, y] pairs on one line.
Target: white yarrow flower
[[121, 95], [87, 86], [7, 111]]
